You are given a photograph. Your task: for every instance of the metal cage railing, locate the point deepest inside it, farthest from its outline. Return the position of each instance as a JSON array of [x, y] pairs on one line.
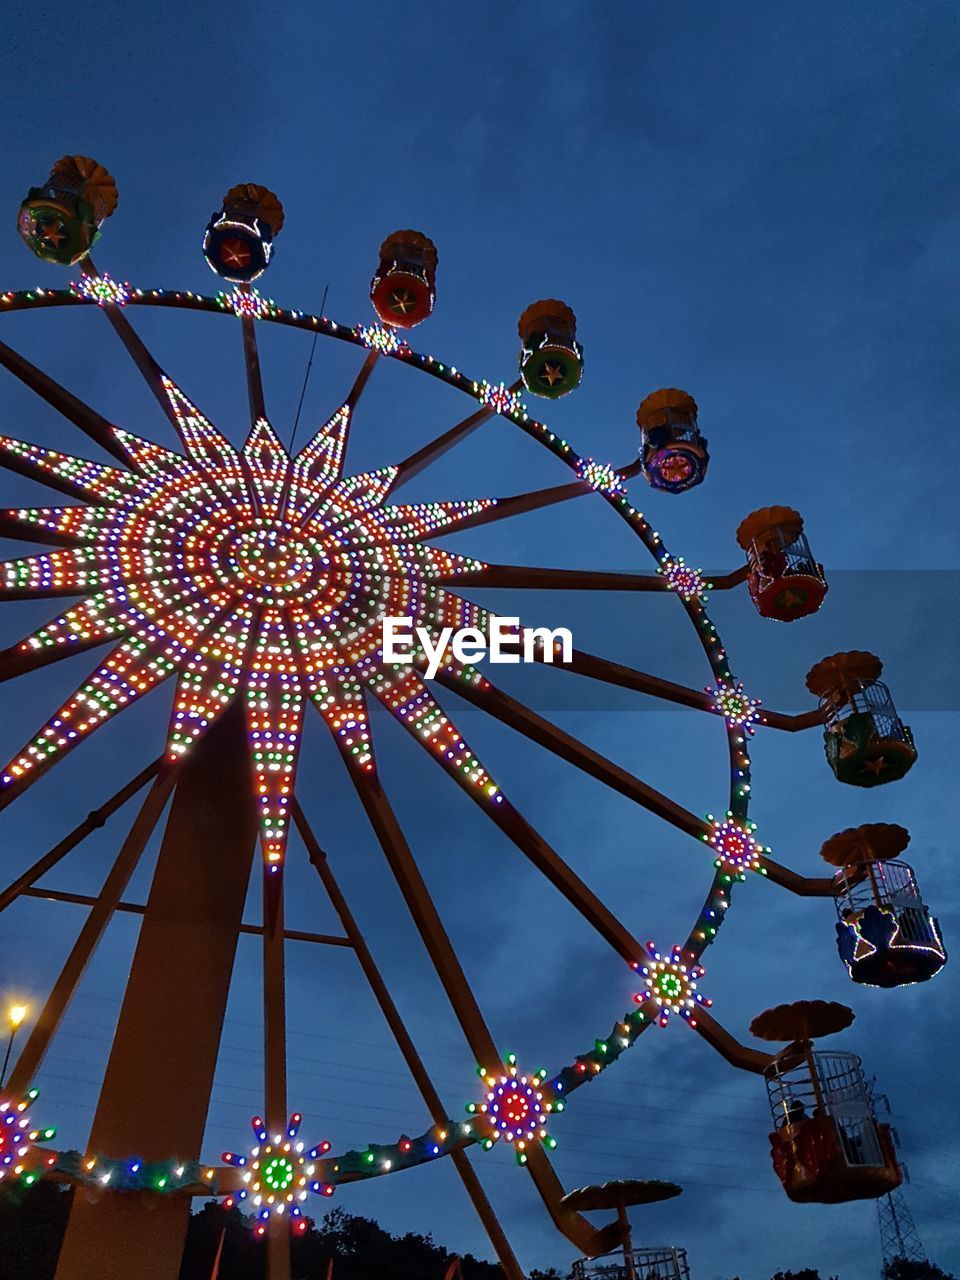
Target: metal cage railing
[[866, 698], [780, 556], [890, 886], [881, 884], [658, 1263], [682, 428], [806, 1085]]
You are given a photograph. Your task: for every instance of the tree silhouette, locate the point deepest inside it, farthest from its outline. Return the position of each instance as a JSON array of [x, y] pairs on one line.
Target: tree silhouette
[[33, 1222], [905, 1269]]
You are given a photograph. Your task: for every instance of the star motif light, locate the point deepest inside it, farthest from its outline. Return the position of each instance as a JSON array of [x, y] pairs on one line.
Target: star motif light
[[672, 984], [18, 1135], [247, 302], [738, 851], [235, 252], [499, 398], [246, 574], [402, 300], [278, 1174], [380, 337], [103, 290], [515, 1108], [688, 583], [739, 711], [675, 467]]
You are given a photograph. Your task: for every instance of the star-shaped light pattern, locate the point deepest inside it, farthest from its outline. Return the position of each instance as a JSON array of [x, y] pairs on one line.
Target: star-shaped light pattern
[[17, 1135], [738, 850], [278, 1174], [688, 583], [247, 302], [235, 252], [402, 300], [731, 702], [380, 337], [601, 476], [103, 290], [52, 231], [675, 467], [500, 398], [672, 984], [515, 1108], [245, 574]]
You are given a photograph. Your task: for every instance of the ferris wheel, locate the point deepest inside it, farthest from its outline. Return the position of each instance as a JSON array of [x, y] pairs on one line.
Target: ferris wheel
[[255, 582]]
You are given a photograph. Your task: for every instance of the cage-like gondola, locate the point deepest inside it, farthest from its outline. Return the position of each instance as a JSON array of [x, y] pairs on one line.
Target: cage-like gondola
[[784, 580], [886, 934], [865, 740], [60, 220], [827, 1144], [238, 241], [404, 288], [673, 453], [551, 358]]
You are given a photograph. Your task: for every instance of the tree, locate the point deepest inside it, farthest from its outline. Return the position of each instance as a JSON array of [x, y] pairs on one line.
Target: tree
[[905, 1269], [33, 1221]]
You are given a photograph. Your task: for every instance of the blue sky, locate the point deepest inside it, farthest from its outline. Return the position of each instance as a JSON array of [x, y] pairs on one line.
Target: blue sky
[[756, 202]]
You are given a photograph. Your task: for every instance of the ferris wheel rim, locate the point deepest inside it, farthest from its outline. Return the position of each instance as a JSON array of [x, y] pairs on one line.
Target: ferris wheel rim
[[367, 337]]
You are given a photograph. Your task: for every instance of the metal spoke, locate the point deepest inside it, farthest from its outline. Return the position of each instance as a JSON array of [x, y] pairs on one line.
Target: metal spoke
[[416, 462], [737, 1054], [363, 377], [90, 422], [151, 371], [513, 713], [251, 359], [526, 578], [547, 861], [537, 579], [616, 673]]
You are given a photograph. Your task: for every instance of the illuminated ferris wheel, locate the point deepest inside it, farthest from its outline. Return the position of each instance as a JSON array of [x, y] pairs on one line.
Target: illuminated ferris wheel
[[255, 583]]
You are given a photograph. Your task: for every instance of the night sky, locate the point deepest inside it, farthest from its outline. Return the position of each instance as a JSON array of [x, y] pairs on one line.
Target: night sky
[[756, 202]]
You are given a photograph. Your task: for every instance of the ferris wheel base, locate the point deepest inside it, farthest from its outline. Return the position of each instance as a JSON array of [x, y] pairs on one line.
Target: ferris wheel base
[[171, 1021]]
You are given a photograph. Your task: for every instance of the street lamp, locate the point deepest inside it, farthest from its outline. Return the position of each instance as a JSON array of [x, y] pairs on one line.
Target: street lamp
[[15, 1016]]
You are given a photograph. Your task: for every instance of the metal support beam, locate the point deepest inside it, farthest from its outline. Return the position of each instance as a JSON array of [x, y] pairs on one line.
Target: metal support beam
[[56, 1004], [94, 820], [275, 1052], [408, 1049], [139, 909]]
